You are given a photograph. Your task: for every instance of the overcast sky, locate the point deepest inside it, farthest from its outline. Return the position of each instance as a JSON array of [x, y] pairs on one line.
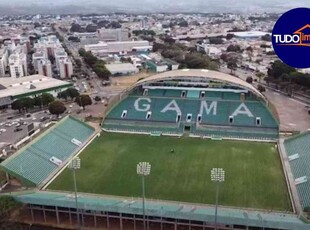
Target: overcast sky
[[187, 2], [203, 6]]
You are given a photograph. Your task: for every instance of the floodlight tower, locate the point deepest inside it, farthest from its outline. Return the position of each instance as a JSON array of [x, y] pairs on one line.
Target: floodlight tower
[[143, 169], [74, 165], [218, 176]]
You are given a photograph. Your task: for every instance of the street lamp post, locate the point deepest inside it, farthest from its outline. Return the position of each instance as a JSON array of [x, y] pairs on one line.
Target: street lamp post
[[218, 176], [143, 169], [74, 165]]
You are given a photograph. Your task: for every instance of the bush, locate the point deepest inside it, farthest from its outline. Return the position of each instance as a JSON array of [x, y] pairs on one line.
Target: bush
[[261, 88], [249, 80]]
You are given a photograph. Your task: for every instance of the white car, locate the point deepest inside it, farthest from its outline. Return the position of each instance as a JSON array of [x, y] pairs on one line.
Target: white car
[[70, 106], [8, 124], [2, 130], [1, 124]]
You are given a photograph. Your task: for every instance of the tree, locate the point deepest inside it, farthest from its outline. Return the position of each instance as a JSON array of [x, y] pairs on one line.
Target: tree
[[233, 48], [278, 68], [78, 63], [260, 76], [196, 61], [43, 99], [17, 105], [90, 59], [7, 205], [91, 28], [232, 65], [249, 48], [249, 80], [216, 40], [229, 36], [261, 88], [115, 25], [63, 95], [83, 100], [75, 27], [213, 65], [266, 38], [57, 108], [82, 52], [72, 92], [183, 23]]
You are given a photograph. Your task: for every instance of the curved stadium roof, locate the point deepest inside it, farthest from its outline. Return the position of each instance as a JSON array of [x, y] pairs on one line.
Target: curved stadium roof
[[201, 73]]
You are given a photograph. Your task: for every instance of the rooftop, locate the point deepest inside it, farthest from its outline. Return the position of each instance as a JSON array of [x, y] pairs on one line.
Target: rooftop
[[121, 67], [20, 86]]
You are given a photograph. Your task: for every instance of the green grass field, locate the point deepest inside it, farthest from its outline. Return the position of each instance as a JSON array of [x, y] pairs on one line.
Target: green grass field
[[254, 176]]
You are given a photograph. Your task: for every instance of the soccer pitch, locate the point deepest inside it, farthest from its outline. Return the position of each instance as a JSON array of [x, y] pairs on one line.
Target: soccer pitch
[[254, 176]]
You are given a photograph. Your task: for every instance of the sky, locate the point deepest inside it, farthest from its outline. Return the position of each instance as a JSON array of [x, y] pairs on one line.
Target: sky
[[167, 5]]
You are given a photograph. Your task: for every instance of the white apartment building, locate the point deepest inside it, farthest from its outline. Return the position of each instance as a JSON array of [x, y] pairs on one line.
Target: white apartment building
[[113, 34], [18, 65], [65, 68], [37, 57], [3, 60], [50, 44], [59, 55], [45, 68]]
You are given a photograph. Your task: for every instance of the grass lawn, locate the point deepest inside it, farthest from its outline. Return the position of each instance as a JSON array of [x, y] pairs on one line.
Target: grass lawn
[[254, 176]]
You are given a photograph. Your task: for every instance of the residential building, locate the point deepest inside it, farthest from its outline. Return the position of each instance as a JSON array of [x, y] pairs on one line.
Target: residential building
[[59, 55], [65, 68], [37, 57], [18, 65], [45, 68], [3, 61], [50, 44]]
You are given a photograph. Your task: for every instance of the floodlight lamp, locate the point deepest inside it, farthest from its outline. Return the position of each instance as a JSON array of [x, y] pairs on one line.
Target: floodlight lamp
[[143, 168]]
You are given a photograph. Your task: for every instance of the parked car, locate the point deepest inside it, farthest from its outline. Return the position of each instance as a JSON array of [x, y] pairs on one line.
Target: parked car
[[18, 129]]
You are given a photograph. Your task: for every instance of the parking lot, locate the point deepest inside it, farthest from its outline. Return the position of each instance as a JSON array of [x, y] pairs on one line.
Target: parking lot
[[14, 128]]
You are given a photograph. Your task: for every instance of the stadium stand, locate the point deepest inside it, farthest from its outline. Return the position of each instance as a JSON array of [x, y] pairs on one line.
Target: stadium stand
[[169, 210], [298, 152], [49, 152], [197, 102], [259, 118]]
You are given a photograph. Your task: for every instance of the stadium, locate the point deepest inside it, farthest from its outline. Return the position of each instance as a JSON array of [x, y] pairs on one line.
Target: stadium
[[184, 123]]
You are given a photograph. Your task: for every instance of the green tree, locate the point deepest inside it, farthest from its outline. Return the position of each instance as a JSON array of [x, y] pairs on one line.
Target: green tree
[[78, 63], [213, 65], [261, 88], [266, 37], [89, 58], [57, 108], [82, 52], [232, 65], [75, 27], [83, 100], [233, 48], [196, 61], [7, 205], [17, 105], [260, 76], [278, 68], [216, 40], [229, 36], [72, 92], [63, 95], [47, 98], [249, 80]]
